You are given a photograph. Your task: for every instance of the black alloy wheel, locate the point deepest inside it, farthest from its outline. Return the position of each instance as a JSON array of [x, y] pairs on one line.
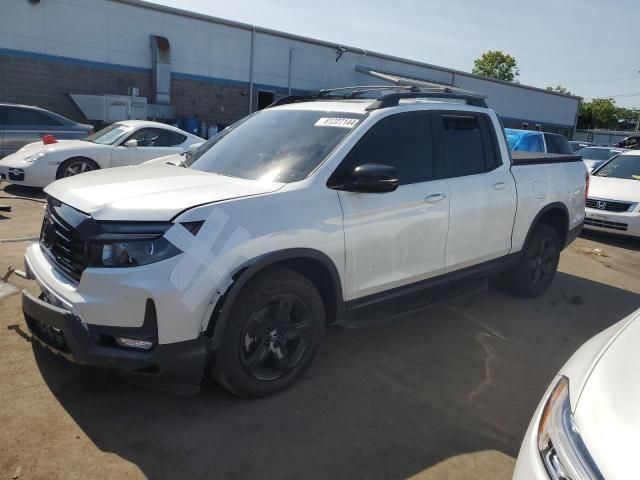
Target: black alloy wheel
[[538, 263], [272, 333], [276, 337]]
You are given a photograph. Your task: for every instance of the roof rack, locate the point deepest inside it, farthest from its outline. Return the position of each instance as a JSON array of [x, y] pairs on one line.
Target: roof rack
[[390, 99], [341, 93], [393, 99]]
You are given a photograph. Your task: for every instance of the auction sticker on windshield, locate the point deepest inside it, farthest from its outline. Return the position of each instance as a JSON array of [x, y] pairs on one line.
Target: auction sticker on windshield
[[336, 122]]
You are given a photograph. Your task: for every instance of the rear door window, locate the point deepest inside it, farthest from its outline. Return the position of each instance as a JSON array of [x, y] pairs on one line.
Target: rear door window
[[468, 144], [29, 117]]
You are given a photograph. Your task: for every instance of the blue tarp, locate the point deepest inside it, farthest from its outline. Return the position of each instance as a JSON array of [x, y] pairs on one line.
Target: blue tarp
[[524, 140]]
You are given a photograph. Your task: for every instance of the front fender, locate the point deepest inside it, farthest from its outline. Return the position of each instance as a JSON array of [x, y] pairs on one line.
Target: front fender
[[221, 311]]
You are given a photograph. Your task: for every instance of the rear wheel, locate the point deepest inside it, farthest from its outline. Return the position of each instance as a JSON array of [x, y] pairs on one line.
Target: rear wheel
[[537, 266], [275, 326], [74, 166]]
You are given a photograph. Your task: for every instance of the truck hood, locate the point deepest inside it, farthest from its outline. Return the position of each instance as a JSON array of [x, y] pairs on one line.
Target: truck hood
[[150, 192], [607, 413], [623, 189]]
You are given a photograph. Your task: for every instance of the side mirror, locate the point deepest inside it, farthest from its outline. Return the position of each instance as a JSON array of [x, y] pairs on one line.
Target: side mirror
[[374, 178], [194, 147], [131, 143]]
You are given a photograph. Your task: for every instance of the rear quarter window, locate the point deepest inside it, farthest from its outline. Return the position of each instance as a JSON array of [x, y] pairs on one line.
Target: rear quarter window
[[557, 144]]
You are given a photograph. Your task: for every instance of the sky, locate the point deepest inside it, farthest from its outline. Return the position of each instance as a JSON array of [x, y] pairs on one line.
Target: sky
[[590, 47]]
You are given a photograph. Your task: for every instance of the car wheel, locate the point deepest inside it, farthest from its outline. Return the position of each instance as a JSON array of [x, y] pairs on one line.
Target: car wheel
[[538, 264], [275, 326], [74, 166]]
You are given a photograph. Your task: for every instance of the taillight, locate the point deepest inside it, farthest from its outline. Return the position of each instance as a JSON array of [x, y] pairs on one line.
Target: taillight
[[586, 186]]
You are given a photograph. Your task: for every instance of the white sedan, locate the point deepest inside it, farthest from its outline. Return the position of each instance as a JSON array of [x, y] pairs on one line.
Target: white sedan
[[613, 204], [130, 142], [587, 425]]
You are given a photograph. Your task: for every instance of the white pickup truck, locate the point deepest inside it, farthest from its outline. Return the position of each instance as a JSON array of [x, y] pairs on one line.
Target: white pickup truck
[[296, 217]]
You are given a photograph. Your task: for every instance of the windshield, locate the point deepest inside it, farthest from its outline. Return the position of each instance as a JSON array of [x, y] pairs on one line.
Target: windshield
[[597, 153], [109, 135], [622, 166], [274, 145]]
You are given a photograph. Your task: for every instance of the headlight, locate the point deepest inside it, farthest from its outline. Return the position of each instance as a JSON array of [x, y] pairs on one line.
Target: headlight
[[561, 448], [131, 248], [132, 253], [34, 157]]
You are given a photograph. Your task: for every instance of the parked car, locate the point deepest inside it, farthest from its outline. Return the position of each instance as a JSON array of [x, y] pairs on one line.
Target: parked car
[[593, 157], [578, 144], [587, 423], [123, 143], [631, 142], [614, 196], [534, 141], [23, 124], [311, 212]]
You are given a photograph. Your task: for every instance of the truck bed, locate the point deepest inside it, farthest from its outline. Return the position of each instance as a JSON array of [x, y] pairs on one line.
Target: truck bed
[[533, 158]]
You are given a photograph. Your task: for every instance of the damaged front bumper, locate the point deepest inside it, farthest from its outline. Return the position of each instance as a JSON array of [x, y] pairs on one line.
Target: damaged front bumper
[[176, 367]]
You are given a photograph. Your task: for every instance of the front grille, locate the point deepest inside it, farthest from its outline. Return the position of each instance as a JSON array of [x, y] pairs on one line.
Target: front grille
[[606, 224], [608, 205], [63, 244]]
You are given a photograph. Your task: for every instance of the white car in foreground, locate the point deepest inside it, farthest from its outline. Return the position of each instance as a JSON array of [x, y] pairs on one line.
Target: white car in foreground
[[614, 196], [124, 143], [587, 424]]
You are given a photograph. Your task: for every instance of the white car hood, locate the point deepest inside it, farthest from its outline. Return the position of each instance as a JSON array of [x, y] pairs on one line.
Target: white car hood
[[627, 190], [607, 412], [150, 192]]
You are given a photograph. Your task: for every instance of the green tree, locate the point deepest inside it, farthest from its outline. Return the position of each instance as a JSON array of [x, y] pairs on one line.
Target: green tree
[[598, 113], [560, 89], [496, 64]]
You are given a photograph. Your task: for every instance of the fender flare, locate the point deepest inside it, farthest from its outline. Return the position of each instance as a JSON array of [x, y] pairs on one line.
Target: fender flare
[[242, 275], [536, 219]]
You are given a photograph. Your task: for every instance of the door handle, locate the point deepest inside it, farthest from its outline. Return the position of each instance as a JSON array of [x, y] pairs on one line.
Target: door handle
[[436, 197], [499, 186]]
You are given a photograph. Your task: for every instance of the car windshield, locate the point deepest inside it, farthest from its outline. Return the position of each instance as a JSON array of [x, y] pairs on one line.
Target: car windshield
[[622, 166], [109, 135], [274, 145], [597, 153]]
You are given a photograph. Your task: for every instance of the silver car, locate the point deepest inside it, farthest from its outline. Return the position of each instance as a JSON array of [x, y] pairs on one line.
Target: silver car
[[23, 124]]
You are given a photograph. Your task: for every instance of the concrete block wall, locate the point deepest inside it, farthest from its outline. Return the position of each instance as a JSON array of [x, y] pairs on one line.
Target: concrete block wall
[[33, 81], [46, 83], [211, 102]]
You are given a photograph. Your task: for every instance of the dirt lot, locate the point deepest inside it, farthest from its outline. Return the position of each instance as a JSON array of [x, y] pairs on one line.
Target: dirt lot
[[445, 392]]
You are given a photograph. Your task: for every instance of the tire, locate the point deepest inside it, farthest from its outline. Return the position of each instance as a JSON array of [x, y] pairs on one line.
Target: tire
[[74, 166], [275, 326], [537, 266]]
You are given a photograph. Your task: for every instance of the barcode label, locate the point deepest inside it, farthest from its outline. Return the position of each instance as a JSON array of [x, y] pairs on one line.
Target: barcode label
[[336, 122]]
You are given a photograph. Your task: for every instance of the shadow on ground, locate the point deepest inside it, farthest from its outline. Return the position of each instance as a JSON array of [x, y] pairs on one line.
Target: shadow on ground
[[385, 401], [20, 191]]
